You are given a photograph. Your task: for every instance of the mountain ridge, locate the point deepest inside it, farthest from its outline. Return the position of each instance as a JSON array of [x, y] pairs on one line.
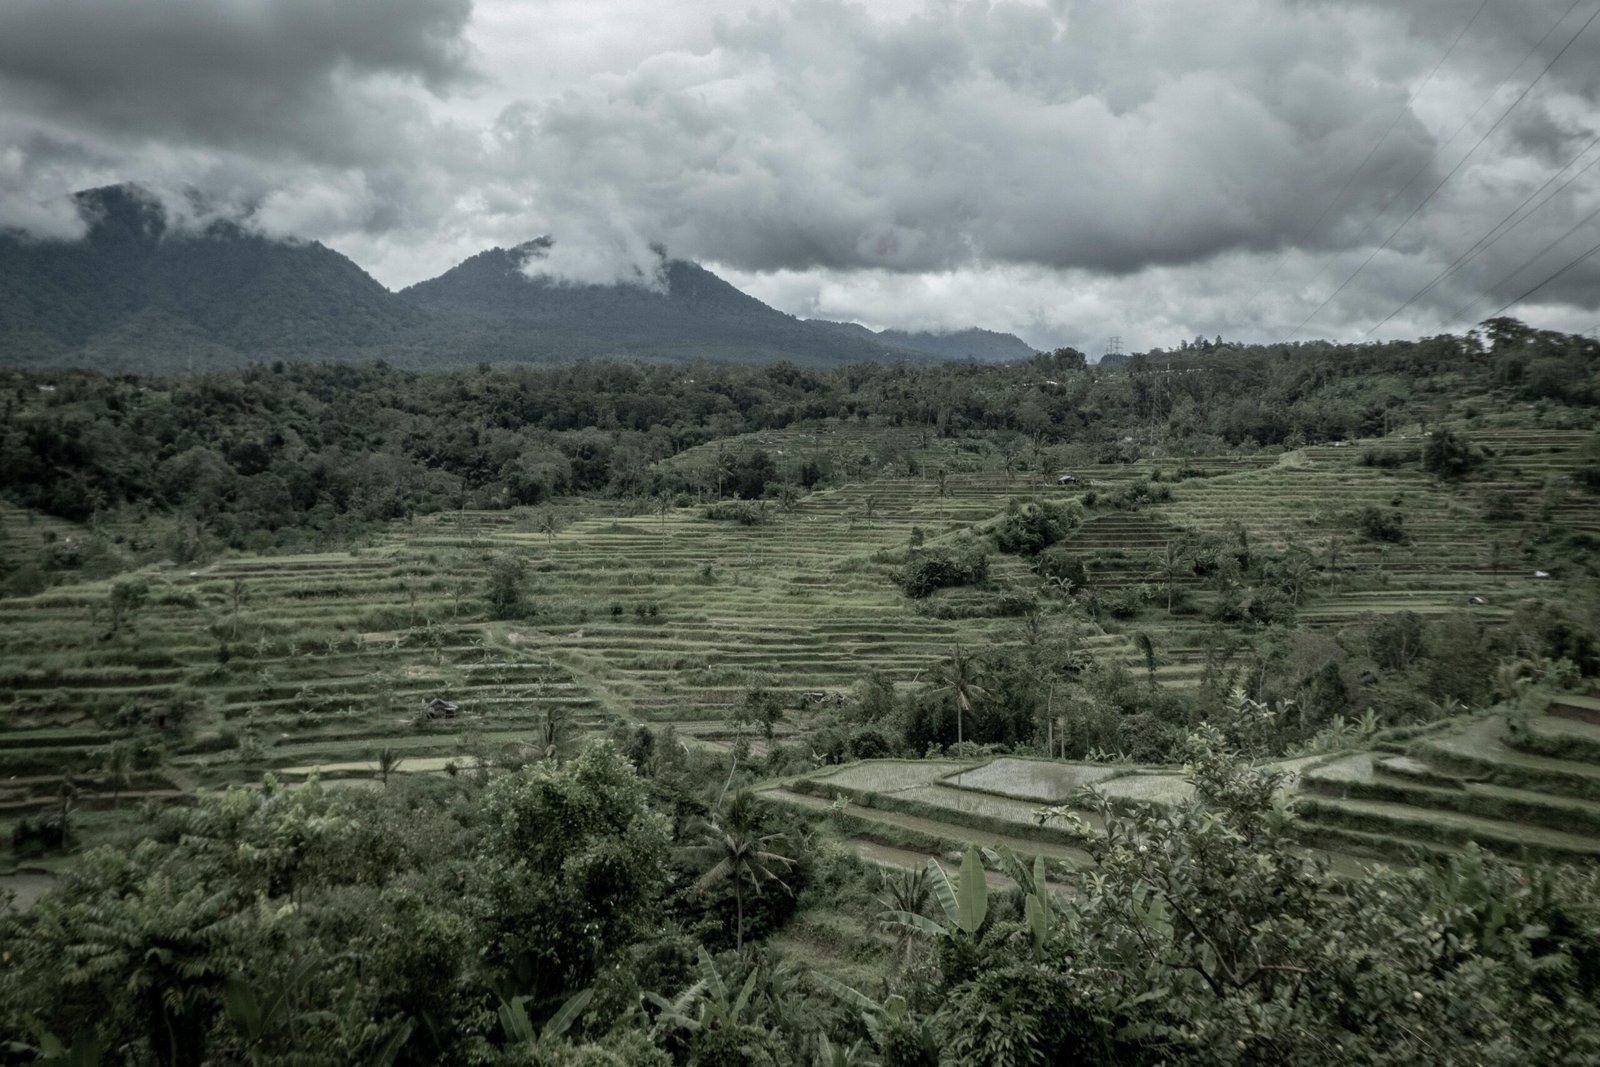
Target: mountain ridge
[[143, 292], [971, 343]]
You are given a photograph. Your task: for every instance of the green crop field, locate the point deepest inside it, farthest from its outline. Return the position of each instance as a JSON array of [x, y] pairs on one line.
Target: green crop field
[[298, 661]]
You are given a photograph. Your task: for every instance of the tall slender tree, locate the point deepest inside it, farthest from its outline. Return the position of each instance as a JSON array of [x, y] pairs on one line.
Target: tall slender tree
[[736, 852], [961, 676]]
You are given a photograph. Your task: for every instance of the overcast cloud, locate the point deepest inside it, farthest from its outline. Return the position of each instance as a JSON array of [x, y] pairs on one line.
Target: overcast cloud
[[1069, 171]]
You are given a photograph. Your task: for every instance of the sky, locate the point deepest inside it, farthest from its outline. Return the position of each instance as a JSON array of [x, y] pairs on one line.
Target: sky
[[1072, 171]]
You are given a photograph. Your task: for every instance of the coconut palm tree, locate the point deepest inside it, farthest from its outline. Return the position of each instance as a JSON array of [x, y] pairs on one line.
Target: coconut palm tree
[[1147, 648], [961, 677], [117, 761], [1172, 565], [737, 853], [549, 524], [389, 761], [555, 733]]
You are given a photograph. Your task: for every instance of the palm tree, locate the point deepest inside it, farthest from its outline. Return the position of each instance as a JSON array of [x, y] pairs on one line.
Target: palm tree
[[555, 733], [907, 892], [1170, 567], [389, 762], [1298, 567], [737, 853], [237, 595], [549, 524], [960, 676], [721, 468]]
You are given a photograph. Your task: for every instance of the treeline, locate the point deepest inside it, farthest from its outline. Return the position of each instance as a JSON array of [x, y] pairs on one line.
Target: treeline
[[283, 453]]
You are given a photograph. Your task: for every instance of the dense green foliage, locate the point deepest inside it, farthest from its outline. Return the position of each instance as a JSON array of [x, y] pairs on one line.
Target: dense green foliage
[[543, 916], [930, 569], [1205, 937], [323, 925], [290, 453]]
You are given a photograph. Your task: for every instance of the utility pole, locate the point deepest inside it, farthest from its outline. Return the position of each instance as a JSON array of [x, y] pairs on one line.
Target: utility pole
[[1113, 346]]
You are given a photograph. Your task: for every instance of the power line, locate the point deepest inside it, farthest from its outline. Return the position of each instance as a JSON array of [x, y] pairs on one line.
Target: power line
[[1426, 163], [1462, 162], [1580, 259], [1525, 264], [1492, 238], [1404, 108]]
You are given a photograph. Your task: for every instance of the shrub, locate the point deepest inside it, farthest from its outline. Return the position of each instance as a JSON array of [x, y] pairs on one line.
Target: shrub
[[1449, 455], [743, 512], [1136, 495], [1125, 603], [1030, 529], [1501, 507], [927, 570], [507, 577], [1388, 458], [31, 839], [1375, 524]]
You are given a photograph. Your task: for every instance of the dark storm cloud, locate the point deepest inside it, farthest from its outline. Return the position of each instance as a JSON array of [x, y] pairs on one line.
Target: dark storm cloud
[[1537, 132], [1509, 38], [287, 75], [1106, 137]]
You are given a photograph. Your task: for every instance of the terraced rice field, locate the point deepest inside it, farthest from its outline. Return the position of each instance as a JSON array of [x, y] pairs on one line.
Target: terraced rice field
[[1532, 793], [1043, 781], [299, 661], [1473, 781]]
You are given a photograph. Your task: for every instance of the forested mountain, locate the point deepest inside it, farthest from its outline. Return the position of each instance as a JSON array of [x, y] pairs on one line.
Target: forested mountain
[[979, 344], [986, 346], [489, 308], [141, 292]]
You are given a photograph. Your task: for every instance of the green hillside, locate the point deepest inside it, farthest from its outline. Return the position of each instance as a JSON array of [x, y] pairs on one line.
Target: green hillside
[[983, 675]]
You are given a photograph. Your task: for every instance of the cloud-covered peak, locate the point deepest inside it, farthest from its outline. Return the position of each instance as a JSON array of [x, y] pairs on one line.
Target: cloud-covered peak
[[1066, 170]]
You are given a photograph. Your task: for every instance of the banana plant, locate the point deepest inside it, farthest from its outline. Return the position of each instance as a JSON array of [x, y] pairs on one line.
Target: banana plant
[[710, 994], [965, 902], [1038, 907], [87, 1049], [519, 1028], [831, 1055], [877, 1018]]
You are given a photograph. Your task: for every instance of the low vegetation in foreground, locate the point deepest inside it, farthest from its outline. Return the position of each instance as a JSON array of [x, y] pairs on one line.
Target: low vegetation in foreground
[[592, 911]]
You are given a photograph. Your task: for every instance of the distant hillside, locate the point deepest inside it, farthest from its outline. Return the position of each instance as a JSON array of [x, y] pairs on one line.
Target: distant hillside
[[137, 295], [497, 311], [985, 346]]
